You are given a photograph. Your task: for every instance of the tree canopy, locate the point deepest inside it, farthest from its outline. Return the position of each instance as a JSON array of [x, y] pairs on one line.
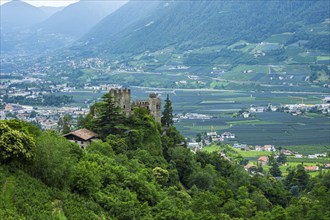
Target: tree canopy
[[144, 171], [15, 145]]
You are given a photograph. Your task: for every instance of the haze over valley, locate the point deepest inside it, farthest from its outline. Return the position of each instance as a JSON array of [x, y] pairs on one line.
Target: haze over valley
[[165, 109]]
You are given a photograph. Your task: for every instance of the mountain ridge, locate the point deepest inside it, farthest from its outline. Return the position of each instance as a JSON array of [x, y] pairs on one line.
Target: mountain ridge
[[49, 33], [76, 19], [29, 16], [188, 25]]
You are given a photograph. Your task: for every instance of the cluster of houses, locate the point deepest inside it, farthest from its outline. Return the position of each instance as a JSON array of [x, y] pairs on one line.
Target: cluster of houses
[[298, 109], [310, 156], [208, 138], [198, 116], [266, 147], [87, 63], [264, 161], [245, 147], [294, 109], [45, 117], [213, 136]]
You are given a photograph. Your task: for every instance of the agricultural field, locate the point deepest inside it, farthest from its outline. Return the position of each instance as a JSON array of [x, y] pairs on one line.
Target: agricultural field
[[309, 149], [276, 128], [280, 130], [279, 38]]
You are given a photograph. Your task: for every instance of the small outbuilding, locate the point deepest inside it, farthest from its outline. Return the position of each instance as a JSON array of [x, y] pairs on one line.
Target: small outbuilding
[[83, 137], [263, 160]]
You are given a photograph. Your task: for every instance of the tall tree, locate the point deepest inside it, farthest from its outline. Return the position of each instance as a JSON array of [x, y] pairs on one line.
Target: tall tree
[[281, 159], [275, 170], [167, 118], [107, 116]]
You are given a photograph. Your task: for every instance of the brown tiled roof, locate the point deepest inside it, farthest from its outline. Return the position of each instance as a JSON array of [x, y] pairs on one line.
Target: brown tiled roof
[[84, 134], [247, 166], [311, 168], [263, 158]]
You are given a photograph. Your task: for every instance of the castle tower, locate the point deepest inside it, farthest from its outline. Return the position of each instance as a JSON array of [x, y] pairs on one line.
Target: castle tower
[[154, 106], [123, 99]]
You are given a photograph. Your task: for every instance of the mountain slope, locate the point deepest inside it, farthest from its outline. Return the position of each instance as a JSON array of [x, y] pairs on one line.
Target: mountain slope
[[17, 15], [59, 30], [122, 19], [78, 18], [194, 24], [51, 10]]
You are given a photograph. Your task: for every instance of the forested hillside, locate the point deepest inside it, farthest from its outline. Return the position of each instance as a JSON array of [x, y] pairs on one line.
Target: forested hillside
[[194, 24], [140, 170]]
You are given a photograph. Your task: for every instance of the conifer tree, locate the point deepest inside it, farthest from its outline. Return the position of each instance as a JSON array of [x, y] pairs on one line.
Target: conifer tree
[[167, 118], [275, 170], [108, 115]]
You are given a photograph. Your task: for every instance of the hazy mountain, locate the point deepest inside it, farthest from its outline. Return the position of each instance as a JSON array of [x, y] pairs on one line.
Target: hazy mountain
[[51, 10], [140, 26], [35, 34], [18, 15], [123, 18], [76, 19]]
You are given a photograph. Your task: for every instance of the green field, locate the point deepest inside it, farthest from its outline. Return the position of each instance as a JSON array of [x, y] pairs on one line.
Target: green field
[[309, 160], [279, 129], [250, 122], [323, 57], [212, 148], [279, 38], [309, 149], [253, 155]]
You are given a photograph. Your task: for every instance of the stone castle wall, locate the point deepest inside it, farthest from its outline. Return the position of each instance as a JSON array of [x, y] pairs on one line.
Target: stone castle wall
[[123, 99]]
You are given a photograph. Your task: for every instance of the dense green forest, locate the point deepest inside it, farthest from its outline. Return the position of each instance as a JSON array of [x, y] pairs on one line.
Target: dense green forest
[[140, 169]]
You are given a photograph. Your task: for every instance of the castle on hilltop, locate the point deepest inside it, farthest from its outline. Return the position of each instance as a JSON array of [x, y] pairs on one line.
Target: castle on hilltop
[[123, 100]]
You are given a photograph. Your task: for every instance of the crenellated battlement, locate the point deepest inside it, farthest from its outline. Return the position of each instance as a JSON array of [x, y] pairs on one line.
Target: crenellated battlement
[[120, 91], [140, 102], [123, 99], [153, 95]]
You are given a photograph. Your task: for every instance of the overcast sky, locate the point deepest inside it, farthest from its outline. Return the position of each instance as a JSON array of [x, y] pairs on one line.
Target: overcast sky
[[46, 2]]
